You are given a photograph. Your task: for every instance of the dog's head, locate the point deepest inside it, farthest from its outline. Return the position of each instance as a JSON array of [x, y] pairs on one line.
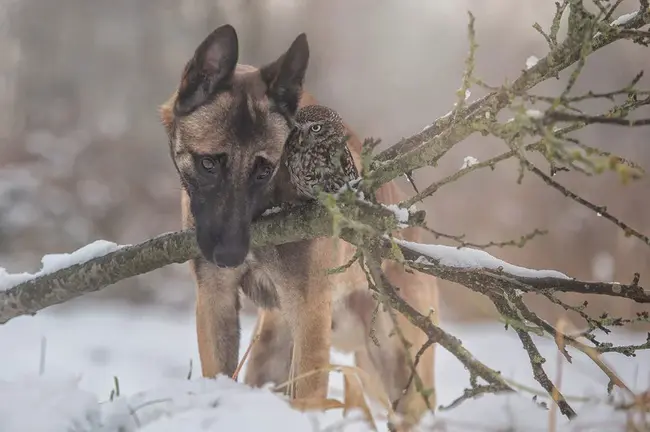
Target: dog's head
[[227, 125]]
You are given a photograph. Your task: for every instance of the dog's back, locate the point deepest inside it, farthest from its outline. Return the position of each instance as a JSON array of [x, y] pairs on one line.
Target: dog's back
[[352, 318]]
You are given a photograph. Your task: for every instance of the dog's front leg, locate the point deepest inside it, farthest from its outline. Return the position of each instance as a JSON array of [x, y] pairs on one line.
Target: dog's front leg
[[306, 302], [217, 317], [312, 329]]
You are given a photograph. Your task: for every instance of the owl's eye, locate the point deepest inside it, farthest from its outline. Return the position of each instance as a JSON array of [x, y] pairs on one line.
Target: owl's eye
[[316, 128]]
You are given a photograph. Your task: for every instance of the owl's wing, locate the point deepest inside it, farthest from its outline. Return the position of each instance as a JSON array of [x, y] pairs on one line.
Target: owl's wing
[[347, 165]]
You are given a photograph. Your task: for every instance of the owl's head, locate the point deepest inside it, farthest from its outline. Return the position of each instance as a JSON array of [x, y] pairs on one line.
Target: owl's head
[[320, 124]]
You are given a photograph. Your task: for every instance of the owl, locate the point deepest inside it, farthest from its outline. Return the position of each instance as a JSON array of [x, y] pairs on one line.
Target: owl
[[317, 156]]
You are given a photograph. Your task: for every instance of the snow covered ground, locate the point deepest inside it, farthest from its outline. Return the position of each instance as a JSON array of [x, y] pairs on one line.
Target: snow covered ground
[[149, 351]]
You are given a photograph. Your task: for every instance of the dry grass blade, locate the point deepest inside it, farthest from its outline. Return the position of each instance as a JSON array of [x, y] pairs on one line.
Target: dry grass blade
[[354, 398], [595, 356], [559, 340], [254, 339], [638, 413], [316, 404]]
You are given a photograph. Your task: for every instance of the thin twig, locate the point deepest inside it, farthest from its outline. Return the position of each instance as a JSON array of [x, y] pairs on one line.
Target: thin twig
[[561, 116], [600, 210], [520, 242]]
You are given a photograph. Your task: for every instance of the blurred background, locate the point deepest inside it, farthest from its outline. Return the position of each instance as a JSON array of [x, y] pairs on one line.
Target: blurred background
[[83, 155]]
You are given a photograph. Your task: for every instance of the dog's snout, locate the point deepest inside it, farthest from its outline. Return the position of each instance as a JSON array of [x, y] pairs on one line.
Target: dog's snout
[[224, 255]]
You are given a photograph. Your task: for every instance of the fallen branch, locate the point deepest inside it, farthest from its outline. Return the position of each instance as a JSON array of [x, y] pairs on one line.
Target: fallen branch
[[292, 224], [309, 221]]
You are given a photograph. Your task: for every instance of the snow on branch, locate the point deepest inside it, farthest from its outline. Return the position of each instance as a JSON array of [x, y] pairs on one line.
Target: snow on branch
[[468, 258], [454, 264], [54, 262], [26, 294]]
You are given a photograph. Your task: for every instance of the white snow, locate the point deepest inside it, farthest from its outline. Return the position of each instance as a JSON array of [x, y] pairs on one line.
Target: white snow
[[624, 19], [352, 185], [201, 404], [149, 350], [401, 214], [536, 114], [271, 211], [468, 93], [469, 258], [468, 161], [531, 61], [53, 262], [43, 404], [440, 118]]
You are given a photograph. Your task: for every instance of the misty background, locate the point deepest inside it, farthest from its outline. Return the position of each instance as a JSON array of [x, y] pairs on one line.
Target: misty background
[[83, 155]]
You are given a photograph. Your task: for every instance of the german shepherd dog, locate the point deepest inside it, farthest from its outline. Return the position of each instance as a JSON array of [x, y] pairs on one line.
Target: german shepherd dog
[[227, 124]]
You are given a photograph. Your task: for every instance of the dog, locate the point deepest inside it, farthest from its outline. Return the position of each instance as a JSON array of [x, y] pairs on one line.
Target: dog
[[227, 124]]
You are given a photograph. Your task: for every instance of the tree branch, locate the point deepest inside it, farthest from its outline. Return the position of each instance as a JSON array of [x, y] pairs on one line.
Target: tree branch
[[428, 146], [305, 222]]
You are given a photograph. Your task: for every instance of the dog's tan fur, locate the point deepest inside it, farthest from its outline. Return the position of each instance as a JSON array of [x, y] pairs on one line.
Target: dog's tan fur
[[304, 307]]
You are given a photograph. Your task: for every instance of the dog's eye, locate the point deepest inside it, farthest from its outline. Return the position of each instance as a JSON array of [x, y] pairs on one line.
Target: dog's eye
[[316, 128], [208, 164], [213, 163], [264, 172], [263, 169]]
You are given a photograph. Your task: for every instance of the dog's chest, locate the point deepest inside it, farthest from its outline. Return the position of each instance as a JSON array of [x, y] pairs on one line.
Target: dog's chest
[[259, 281]]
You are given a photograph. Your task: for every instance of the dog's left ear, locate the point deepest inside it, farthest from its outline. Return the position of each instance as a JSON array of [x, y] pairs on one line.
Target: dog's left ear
[[284, 77], [212, 65]]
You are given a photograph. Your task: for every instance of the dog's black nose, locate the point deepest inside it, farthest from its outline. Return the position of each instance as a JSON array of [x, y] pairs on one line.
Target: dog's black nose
[[229, 255]]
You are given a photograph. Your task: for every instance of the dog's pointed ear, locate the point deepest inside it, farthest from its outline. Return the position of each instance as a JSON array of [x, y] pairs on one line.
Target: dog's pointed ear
[[284, 77], [212, 66]]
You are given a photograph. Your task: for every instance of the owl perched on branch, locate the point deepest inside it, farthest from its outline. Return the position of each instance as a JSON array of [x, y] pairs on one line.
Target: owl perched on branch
[[317, 156]]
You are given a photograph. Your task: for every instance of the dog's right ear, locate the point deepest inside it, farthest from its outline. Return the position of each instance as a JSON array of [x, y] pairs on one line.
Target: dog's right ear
[[284, 77], [212, 66]]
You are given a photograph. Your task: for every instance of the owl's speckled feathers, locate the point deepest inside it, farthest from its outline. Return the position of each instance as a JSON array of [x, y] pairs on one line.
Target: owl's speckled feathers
[[317, 156]]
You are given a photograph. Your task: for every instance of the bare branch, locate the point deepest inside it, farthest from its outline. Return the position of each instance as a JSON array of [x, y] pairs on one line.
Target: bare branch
[[428, 146], [560, 116], [600, 210], [520, 242], [541, 146]]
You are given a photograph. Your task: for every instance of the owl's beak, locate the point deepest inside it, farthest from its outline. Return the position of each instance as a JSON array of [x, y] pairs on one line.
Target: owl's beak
[[301, 132], [295, 134]]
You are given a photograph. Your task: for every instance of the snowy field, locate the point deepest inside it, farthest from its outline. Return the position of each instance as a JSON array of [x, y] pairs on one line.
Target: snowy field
[[149, 351]]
